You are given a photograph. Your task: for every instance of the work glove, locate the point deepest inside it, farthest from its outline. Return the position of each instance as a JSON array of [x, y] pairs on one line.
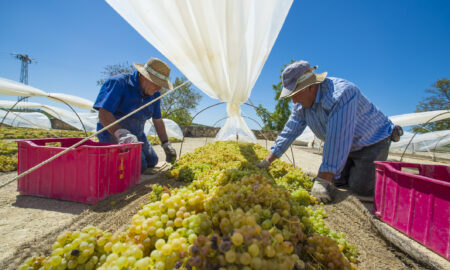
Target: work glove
[[264, 164], [323, 190], [124, 136], [171, 154]]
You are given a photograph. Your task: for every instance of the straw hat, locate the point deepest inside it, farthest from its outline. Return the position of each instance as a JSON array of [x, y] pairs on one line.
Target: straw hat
[[156, 71], [297, 76]]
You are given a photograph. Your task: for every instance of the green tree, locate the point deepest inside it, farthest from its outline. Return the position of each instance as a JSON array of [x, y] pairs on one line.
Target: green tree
[[112, 70], [277, 119], [175, 106], [178, 104], [438, 100]]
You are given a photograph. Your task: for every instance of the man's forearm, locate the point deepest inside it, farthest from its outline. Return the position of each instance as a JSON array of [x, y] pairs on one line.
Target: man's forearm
[[160, 129], [106, 118]]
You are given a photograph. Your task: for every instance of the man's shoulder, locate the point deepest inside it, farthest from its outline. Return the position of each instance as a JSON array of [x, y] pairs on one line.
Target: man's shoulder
[[341, 83], [119, 80], [340, 86]]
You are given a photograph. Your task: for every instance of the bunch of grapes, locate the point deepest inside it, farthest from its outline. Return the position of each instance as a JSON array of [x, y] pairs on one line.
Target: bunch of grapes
[[71, 249], [232, 215], [325, 252]]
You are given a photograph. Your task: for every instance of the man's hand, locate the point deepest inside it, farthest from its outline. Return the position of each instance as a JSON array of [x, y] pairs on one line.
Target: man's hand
[[264, 164], [171, 154], [323, 190], [124, 136]]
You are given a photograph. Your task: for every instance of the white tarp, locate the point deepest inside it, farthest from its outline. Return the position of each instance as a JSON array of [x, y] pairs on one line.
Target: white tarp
[[13, 88], [26, 119], [418, 118], [172, 129], [220, 46], [422, 142], [66, 116]]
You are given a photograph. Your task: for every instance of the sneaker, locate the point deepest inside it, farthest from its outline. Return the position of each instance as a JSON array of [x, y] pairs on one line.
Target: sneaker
[[339, 183], [365, 198]]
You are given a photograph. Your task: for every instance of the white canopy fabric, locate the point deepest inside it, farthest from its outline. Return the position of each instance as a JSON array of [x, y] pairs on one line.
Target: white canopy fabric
[[13, 88], [422, 142], [67, 116], [172, 129], [220, 46], [26, 119], [418, 118], [403, 120]]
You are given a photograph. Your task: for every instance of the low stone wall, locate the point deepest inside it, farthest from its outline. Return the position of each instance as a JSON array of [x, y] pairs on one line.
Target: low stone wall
[[200, 131], [58, 124]]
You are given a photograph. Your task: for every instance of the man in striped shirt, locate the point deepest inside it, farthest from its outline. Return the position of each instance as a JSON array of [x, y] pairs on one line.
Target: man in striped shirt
[[355, 132]]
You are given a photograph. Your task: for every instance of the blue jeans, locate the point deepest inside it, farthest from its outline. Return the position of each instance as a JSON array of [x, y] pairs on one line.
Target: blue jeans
[[359, 171], [149, 158]]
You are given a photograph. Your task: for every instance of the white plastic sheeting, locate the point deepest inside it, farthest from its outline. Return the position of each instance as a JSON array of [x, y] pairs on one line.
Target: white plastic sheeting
[[26, 119], [172, 129], [422, 142], [13, 88], [66, 116], [418, 118], [220, 46]]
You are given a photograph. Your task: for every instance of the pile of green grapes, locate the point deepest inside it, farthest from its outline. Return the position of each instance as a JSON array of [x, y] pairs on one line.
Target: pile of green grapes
[[155, 140], [7, 132], [232, 216], [8, 156]]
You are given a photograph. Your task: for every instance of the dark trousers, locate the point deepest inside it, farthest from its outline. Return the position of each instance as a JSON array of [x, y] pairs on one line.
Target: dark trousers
[[359, 170]]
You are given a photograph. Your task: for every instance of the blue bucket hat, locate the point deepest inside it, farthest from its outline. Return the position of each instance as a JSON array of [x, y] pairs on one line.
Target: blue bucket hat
[[297, 76]]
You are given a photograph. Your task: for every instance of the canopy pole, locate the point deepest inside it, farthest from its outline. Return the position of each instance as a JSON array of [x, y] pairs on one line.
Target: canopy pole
[[87, 138]]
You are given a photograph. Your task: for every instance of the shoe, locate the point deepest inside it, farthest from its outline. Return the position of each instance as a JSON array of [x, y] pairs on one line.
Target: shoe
[[339, 183], [150, 171], [365, 198], [160, 167]]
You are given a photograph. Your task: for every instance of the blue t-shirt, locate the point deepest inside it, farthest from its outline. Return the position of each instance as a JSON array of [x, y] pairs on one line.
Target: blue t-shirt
[[122, 94]]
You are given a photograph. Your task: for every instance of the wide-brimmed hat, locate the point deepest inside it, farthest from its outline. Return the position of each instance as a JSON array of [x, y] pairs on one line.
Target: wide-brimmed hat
[[297, 76], [156, 71]]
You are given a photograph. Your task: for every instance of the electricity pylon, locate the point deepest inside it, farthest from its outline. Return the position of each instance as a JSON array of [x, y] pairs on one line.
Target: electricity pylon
[[24, 69]]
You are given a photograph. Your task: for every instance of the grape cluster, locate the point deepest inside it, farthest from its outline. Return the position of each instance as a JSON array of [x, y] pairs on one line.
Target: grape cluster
[[232, 215]]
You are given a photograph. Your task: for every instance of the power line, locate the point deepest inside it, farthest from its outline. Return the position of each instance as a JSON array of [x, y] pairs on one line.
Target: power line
[[25, 59]]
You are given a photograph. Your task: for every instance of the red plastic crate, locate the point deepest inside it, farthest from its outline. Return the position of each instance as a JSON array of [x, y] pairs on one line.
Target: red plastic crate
[[415, 199], [88, 173]]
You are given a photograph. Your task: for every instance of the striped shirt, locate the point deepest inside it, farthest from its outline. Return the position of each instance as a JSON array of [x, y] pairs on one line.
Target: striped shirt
[[341, 117]]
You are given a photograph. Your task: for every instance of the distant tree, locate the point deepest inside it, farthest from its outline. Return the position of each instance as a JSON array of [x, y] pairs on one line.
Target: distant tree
[[178, 104], [277, 119], [438, 100], [112, 70], [175, 106]]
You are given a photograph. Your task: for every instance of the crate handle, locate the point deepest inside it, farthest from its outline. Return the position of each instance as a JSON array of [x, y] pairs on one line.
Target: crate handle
[[411, 170], [124, 150]]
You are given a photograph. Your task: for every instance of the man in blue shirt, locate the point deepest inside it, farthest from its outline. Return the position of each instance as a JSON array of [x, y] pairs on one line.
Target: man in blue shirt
[[124, 93], [355, 132]]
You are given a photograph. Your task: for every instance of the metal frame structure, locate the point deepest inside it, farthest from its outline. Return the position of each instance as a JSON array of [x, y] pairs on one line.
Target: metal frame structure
[[22, 98], [219, 103]]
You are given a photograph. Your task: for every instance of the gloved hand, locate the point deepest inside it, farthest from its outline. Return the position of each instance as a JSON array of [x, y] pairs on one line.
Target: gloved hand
[[323, 190], [124, 136], [264, 164], [171, 154]]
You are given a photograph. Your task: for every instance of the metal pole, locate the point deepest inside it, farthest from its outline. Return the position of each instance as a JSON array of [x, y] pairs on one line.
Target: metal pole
[[87, 138]]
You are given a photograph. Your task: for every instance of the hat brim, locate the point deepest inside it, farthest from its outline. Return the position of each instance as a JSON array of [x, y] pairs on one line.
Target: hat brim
[[315, 79], [160, 82]]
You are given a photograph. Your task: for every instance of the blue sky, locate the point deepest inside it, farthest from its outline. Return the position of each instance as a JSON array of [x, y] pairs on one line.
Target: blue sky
[[393, 50]]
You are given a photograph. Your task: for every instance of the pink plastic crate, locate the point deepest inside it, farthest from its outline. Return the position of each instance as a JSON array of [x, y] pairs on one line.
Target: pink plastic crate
[[88, 173], [415, 199]]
